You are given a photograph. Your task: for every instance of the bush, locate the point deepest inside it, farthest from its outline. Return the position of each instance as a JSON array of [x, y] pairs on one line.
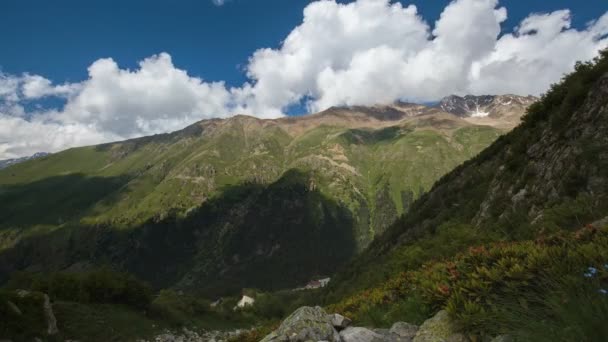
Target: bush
[[480, 287], [177, 308], [98, 286]]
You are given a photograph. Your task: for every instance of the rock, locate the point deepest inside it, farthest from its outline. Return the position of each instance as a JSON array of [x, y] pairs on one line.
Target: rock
[[14, 307], [51, 321], [303, 325], [357, 334], [502, 338], [440, 328], [339, 321], [404, 331]]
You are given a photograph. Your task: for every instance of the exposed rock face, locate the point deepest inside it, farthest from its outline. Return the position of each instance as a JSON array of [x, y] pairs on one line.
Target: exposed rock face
[[485, 105], [187, 335], [8, 162], [357, 334], [440, 328], [404, 331], [51, 321], [32, 314], [339, 321], [305, 324], [313, 324], [503, 111]]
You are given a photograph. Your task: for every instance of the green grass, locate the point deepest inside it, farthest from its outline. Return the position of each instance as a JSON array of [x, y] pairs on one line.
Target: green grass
[[103, 322], [94, 199]]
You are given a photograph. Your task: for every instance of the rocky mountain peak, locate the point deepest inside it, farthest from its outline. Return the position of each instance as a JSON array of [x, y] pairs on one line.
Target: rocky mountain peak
[[479, 106], [8, 162]]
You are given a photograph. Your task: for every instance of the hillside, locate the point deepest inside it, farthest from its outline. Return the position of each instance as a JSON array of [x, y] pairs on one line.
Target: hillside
[[222, 196], [8, 162], [510, 246], [545, 176]]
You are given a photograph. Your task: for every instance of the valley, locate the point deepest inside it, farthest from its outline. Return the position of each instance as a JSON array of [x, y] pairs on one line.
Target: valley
[[237, 202]]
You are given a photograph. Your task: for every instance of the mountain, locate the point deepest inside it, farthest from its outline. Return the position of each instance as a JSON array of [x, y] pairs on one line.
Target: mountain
[[231, 203], [8, 162], [495, 110], [546, 176]]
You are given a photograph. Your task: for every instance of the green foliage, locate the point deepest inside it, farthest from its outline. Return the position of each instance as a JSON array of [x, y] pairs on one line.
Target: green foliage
[[566, 311], [104, 322], [486, 288], [177, 309], [26, 323], [546, 175], [97, 286]]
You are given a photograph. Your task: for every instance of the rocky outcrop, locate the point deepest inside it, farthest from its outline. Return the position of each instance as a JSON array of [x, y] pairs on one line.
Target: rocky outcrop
[[403, 332], [358, 334], [51, 321], [305, 324], [187, 335], [440, 328], [339, 321], [314, 324], [29, 309]]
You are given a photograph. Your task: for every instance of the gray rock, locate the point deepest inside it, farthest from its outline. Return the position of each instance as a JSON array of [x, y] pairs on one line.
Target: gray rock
[[304, 325], [440, 328], [404, 331], [339, 321], [14, 307], [357, 334], [51, 321]]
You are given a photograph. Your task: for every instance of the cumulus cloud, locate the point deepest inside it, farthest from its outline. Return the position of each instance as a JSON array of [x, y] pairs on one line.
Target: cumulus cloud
[[372, 51], [112, 104], [218, 2], [361, 53]]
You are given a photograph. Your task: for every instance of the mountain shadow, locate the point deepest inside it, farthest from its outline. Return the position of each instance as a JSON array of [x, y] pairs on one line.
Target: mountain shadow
[[251, 235], [54, 200]]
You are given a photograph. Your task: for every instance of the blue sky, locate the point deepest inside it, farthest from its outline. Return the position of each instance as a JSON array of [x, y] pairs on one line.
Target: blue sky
[[76, 72], [59, 39]]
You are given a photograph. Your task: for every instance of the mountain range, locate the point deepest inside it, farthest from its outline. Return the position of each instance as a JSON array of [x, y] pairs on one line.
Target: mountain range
[[510, 243], [8, 162], [241, 202]]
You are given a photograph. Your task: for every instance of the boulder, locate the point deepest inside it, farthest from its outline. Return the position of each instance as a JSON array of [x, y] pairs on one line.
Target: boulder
[[357, 334], [51, 321], [440, 328], [14, 308], [339, 322], [404, 331], [304, 325]]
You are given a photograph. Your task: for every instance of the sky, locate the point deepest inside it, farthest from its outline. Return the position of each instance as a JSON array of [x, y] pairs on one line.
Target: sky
[[76, 73]]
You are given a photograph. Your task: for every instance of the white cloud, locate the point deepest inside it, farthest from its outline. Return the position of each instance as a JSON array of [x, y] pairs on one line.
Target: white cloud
[[361, 53], [35, 86], [111, 104], [218, 2], [157, 97], [21, 137], [372, 51]]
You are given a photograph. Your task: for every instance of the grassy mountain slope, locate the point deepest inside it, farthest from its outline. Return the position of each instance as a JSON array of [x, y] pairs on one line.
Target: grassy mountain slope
[[208, 202], [545, 176]]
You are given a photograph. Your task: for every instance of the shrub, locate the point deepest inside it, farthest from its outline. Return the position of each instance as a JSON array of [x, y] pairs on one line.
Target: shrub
[[97, 286], [178, 308], [482, 285]]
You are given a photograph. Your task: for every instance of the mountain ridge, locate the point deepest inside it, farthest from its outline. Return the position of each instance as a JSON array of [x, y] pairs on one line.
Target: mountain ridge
[[545, 176], [363, 165]]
